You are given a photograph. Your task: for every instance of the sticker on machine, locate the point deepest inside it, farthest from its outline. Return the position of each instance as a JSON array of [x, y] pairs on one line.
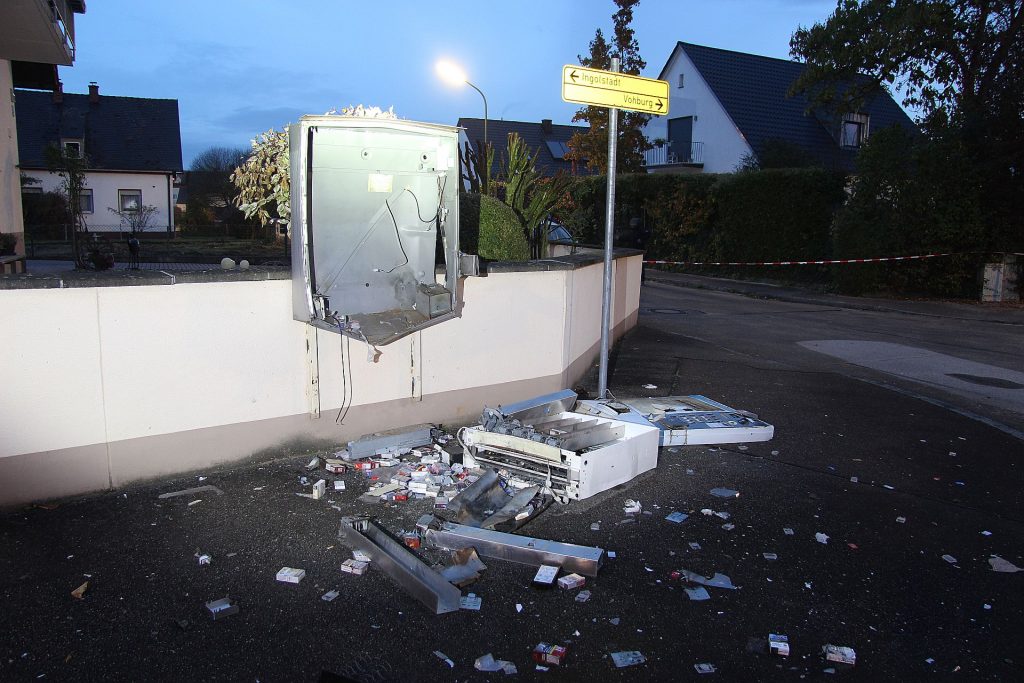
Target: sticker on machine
[[380, 182]]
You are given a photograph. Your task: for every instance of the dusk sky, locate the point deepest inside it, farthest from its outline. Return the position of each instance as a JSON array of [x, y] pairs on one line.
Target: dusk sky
[[239, 68]]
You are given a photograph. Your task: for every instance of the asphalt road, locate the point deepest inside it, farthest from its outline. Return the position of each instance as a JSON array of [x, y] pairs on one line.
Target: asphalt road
[[879, 585]]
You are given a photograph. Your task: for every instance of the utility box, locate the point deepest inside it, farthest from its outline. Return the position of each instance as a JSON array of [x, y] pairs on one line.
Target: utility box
[[1000, 281], [375, 225]]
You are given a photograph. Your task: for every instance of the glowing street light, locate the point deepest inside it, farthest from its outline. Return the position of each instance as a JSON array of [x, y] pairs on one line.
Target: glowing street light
[[453, 74]]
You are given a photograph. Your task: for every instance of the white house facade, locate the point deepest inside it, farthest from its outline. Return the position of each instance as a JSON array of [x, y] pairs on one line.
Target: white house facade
[[698, 132], [727, 108]]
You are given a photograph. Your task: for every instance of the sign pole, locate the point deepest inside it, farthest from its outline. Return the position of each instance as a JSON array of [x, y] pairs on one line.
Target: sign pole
[[609, 238]]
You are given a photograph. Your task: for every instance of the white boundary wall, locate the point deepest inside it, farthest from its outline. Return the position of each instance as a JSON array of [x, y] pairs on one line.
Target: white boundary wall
[[108, 385]]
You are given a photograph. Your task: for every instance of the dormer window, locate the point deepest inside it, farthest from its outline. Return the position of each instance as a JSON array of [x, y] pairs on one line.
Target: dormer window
[[72, 148], [853, 130]]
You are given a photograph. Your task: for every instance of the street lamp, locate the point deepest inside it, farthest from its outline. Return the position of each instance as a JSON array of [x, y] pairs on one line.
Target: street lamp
[[454, 75]]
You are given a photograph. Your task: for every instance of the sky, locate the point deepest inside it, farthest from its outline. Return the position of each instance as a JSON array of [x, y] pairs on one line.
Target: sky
[[240, 67]]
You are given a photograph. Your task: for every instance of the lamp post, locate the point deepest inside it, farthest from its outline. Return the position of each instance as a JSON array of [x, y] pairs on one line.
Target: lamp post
[[451, 73]]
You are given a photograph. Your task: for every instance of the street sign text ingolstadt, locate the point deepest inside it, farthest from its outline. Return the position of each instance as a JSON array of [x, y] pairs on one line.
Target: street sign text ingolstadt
[[610, 89]]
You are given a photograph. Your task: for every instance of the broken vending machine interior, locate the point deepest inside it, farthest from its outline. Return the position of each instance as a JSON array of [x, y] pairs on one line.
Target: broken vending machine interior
[[684, 420], [375, 208], [575, 456]]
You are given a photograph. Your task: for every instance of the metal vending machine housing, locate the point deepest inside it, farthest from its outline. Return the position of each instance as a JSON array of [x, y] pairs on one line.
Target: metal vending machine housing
[[375, 212]]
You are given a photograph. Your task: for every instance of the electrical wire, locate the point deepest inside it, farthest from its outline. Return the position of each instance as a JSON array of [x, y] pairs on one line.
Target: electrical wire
[[399, 236], [346, 382]]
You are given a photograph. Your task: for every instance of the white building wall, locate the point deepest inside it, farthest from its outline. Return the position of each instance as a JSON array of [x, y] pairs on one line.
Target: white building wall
[[10, 178], [724, 144], [105, 186]]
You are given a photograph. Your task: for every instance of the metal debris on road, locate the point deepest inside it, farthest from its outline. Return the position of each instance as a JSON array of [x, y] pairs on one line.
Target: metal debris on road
[[717, 581], [189, 492], [627, 658], [1000, 565], [465, 568], [698, 593]]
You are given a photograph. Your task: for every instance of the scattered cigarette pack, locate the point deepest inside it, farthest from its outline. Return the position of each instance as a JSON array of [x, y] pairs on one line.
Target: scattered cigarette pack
[[843, 655], [778, 644], [360, 556], [339, 485], [319, 489], [354, 567], [570, 581], [290, 575], [549, 654], [546, 575], [335, 466], [219, 609]]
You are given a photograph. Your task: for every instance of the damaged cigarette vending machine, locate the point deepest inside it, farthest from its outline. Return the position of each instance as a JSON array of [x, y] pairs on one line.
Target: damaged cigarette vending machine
[[375, 225]]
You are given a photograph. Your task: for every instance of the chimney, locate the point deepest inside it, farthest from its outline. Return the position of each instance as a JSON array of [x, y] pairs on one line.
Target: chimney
[[58, 93], [94, 92], [545, 126]]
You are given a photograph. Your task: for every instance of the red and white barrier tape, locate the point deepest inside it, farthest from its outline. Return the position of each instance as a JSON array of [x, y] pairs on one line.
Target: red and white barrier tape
[[823, 262]]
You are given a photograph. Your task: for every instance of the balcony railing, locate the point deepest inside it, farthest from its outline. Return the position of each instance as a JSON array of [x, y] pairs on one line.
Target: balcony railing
[[672, 154]]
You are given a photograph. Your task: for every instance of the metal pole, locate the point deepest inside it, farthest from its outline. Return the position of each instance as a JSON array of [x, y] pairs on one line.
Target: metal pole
[[485, 112], [609, 237]]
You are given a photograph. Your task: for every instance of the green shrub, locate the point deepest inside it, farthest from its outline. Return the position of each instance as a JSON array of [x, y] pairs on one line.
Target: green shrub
[[501, 233], [911, 196], [776, 214]]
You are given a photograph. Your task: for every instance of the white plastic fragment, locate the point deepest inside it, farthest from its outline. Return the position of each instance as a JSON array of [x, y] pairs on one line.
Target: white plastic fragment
[[1001, 565], [770, 556], [632, 507], [720, 492], [786, 530], [705, 668], [487, 662], [820, 537], [677, 517], [698, 593], [583, 596], [650, 386], [470, 602], [836, 653], [444, 658], [330, 595], [901, 520], [949, 558]]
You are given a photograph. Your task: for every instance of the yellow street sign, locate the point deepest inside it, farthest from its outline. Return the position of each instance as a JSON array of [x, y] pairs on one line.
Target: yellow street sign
[[610, 89]]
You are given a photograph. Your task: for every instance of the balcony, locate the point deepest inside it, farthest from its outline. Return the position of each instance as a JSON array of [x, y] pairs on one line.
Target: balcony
[[39, 31], [690, 156]]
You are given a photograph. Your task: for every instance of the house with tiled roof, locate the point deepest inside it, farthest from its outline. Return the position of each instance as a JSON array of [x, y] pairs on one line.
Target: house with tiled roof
[[549, 141], [726, 106], [132, 147]]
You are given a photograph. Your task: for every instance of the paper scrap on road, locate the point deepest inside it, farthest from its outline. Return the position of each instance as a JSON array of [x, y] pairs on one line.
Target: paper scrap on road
[[627, 658], [717, 581]]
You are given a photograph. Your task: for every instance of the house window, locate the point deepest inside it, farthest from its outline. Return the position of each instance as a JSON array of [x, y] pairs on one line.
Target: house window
[[854, 130], [129, 200], [72, 149], [680, 81], [26, 189], [85, 201]]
